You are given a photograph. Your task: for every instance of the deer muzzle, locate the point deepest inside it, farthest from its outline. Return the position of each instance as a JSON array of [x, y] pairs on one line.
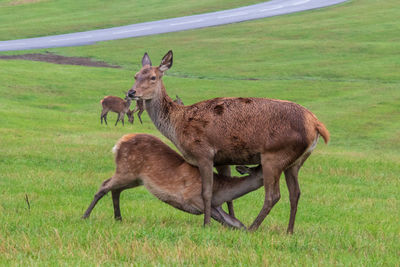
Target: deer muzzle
[[132, 94]]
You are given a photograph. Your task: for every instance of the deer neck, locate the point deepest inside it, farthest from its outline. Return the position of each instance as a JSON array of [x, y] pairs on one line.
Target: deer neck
[[163, 112], [232, 188], [127, 104]]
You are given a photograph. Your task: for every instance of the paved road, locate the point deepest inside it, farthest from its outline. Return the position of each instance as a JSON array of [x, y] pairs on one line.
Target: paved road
[[263, 10]]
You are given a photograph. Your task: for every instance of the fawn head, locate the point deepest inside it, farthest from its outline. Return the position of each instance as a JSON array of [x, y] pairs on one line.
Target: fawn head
[[148, 81], [249, 170], [130, 116]]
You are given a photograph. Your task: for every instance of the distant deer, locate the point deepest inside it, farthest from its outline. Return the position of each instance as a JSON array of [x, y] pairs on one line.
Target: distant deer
[[140, 107], [143, 159], [279, 135], [117, 105]]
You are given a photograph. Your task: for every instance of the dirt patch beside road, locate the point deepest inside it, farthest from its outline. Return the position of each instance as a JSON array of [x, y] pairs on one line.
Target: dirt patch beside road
[[57, 59]]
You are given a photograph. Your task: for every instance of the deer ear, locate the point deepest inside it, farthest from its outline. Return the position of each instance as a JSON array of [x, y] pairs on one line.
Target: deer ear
[[166, 62], [146, 60]]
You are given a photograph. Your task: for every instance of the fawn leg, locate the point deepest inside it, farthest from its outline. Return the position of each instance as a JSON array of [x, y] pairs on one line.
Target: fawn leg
[[122, 116], [118, 118], [218, 214], [206, 173], [115, 197], [139, 116], [226, 171], [103, 115], [105, 118], [102, 191]]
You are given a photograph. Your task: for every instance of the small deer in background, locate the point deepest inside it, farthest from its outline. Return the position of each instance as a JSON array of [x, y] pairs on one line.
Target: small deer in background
[[143, 159], [280, 135], [117, 105], [140, 107]]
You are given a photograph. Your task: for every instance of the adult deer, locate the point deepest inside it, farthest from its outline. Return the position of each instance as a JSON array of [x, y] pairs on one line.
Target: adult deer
[[143, 159], [279, 135]]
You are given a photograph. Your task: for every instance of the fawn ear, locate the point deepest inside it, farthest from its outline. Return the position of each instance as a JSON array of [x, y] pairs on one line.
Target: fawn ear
[[166, 62], [146, 60]]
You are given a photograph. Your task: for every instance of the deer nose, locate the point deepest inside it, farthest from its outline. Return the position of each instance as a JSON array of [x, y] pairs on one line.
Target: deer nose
[[131, 93]]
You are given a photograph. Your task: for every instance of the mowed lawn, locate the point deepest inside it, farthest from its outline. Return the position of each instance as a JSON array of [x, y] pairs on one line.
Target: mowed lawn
[[341, 62], [33, 18]]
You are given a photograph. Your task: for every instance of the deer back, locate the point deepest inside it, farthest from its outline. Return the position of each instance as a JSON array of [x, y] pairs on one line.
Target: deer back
[[113, 103], [237, 130]]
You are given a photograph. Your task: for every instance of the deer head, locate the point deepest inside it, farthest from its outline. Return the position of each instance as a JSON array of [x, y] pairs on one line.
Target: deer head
[[148, 81], [130, 116]]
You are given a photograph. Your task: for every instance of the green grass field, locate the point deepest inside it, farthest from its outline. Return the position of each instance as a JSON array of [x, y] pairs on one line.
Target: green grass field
[[33, 18], [341, 62]]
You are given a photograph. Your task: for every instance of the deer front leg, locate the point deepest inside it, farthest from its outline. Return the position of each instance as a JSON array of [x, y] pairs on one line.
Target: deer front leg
[[139, 116], [103, 115], [105, 118], [116, 193], [122, 117], [115, 198], [226, 171], [118, 118], [206, 173]]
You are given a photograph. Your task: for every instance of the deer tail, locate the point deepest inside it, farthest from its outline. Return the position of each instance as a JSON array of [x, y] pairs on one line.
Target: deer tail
[[323, 131]]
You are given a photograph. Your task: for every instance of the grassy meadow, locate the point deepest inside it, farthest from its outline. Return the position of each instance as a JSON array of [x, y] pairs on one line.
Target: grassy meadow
[[34, 18], [341, 62]]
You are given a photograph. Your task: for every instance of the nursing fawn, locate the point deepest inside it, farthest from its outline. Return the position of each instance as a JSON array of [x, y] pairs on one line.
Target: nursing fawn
[[143, 159]]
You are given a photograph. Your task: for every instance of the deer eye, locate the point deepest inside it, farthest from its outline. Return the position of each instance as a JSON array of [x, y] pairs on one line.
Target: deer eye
[[153, 78]]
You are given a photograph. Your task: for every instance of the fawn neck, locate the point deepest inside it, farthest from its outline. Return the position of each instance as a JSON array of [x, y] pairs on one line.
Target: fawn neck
[[128, 103], [232, 188]]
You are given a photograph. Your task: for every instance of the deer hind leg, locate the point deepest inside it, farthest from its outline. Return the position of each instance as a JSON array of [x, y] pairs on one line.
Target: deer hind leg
[[294, 194], [102, 191], [103, 115], [122, 116], [206, 173], [226, 171], [271, 173], [291, 176]]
